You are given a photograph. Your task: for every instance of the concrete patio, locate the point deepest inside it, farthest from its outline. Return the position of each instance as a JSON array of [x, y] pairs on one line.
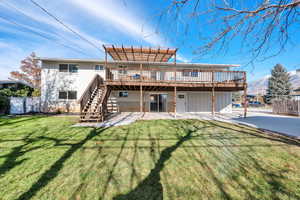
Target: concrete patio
[[288, 125]]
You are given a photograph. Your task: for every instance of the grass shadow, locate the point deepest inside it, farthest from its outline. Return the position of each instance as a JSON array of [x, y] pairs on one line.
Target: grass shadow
[[151, 187], [53, 171]]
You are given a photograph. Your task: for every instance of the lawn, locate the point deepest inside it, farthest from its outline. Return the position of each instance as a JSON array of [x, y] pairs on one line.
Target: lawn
[[45, 158]]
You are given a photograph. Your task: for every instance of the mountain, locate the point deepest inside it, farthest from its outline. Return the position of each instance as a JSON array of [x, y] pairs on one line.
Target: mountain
[[259, 86]]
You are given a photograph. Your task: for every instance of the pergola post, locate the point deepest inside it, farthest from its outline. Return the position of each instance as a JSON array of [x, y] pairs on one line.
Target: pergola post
[[175, 99], [245, 95], [213, 96], [245, 101], [141, 89]]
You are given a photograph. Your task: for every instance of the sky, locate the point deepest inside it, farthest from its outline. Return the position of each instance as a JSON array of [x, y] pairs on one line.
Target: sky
[[25, 28]]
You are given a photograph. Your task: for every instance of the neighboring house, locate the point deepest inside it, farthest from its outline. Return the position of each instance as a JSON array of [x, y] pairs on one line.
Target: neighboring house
[[137, 80], [296, 94], [13, 84]]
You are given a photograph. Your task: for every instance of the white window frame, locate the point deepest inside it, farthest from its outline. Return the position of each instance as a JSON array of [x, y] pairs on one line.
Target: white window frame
[[67, 91], [69, 72]]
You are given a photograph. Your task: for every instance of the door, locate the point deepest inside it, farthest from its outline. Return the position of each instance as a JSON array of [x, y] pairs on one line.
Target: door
[[181, 102], [158, 102]]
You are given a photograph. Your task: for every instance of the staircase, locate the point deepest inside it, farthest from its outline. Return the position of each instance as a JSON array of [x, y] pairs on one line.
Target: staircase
[[94, 101]]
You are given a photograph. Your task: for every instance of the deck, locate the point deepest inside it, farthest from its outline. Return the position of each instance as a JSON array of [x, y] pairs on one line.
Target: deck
[[185, 79]]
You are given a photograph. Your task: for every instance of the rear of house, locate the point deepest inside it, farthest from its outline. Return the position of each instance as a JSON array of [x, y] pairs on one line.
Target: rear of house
[[137, 80]]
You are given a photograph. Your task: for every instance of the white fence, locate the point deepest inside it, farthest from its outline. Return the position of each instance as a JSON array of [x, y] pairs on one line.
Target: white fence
[[21, 105]]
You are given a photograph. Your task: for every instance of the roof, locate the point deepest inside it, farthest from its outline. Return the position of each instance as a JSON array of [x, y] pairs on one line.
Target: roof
[[297, 89], [98, 61], [140, 53], [14, 82]]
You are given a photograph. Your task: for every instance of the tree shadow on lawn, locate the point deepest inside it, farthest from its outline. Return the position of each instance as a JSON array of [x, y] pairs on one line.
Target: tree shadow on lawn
[[18, 151], [53, 171], [151, 187], [19, 119]]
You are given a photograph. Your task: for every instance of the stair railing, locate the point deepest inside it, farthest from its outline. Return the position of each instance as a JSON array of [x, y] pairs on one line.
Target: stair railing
[[85, 97]]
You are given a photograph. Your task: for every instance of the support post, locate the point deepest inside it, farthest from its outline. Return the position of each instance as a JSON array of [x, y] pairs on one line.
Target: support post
[[141, 89], [245, 95], [106, 69], [213, 95], [175, 67], [141, 98], [175, 99], [245, 101], [213, 101]]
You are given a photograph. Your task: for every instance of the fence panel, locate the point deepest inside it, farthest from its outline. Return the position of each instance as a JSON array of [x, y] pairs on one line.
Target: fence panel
[[21, 105], [290, 107]]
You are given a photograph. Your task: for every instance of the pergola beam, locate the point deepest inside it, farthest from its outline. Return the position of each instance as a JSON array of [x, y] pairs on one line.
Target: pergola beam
[[125, 53]]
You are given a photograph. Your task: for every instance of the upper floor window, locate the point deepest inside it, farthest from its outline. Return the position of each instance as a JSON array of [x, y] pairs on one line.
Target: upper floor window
[[122, 69], [72, 68], [99, 67], [190, 73], [67, 95]]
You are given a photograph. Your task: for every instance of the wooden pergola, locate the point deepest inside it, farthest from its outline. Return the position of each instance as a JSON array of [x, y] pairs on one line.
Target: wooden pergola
[[122, 53]]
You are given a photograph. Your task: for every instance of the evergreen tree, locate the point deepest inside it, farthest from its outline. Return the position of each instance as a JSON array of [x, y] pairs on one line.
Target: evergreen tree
[[279, 85]]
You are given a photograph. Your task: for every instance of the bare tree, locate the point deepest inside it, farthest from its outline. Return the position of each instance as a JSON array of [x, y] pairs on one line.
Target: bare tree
[[262, 27]]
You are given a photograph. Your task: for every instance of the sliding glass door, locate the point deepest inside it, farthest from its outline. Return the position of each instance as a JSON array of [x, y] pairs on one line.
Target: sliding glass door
[[158, 102]]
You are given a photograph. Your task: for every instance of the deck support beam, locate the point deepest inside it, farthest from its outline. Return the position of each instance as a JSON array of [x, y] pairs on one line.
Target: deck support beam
[[141, 98], [141, 89], [213, 99], [175, 99], [245, 101]]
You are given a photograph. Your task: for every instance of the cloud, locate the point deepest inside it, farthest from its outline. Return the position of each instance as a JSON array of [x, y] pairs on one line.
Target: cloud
[[118, 17]]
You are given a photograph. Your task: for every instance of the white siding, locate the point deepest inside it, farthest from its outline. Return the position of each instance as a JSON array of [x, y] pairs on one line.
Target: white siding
[[201, 102], [53, 81]]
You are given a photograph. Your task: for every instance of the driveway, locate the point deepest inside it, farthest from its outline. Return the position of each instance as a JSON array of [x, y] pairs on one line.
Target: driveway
[[289, 125]]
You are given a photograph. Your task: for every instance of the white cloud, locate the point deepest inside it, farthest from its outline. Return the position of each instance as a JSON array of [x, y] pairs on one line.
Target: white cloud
[[118, 16]]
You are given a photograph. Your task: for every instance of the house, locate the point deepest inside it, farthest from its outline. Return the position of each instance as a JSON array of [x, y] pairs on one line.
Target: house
[[14, 84], [137, 80], [296, 94]]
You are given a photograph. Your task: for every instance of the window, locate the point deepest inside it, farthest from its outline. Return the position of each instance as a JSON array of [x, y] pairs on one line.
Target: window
[[181, 96], [186, 73], [99, 67], [194, 74], [63, 95], [72, 68], [67, 95], [123, 94], [72, 95], [122, 69], [63, 67]]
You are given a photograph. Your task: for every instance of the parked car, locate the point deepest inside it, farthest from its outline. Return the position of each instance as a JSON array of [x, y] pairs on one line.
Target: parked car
[[255, 104], [236, 105]]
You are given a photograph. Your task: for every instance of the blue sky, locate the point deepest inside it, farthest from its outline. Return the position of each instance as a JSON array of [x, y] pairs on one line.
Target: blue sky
[[128, 22]]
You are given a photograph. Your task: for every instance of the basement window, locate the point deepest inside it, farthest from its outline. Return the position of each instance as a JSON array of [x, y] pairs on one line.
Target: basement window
[[123, 94], [67, 95]]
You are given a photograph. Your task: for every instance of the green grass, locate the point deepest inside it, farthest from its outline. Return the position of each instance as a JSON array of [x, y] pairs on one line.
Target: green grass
[[45, 158]]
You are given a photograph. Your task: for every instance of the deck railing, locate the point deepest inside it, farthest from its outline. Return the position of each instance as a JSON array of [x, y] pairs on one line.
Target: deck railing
[[189, 76]]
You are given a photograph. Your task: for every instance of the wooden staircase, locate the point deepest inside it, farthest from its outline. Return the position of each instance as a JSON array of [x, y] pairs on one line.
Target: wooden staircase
[[93, 102]]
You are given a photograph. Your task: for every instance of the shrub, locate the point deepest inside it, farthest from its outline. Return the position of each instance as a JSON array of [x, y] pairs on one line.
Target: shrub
[[4, 104]]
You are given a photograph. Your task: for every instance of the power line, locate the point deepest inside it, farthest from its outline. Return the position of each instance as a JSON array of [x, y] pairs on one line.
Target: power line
[[39, 34], [59, 35], [66, 26]]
